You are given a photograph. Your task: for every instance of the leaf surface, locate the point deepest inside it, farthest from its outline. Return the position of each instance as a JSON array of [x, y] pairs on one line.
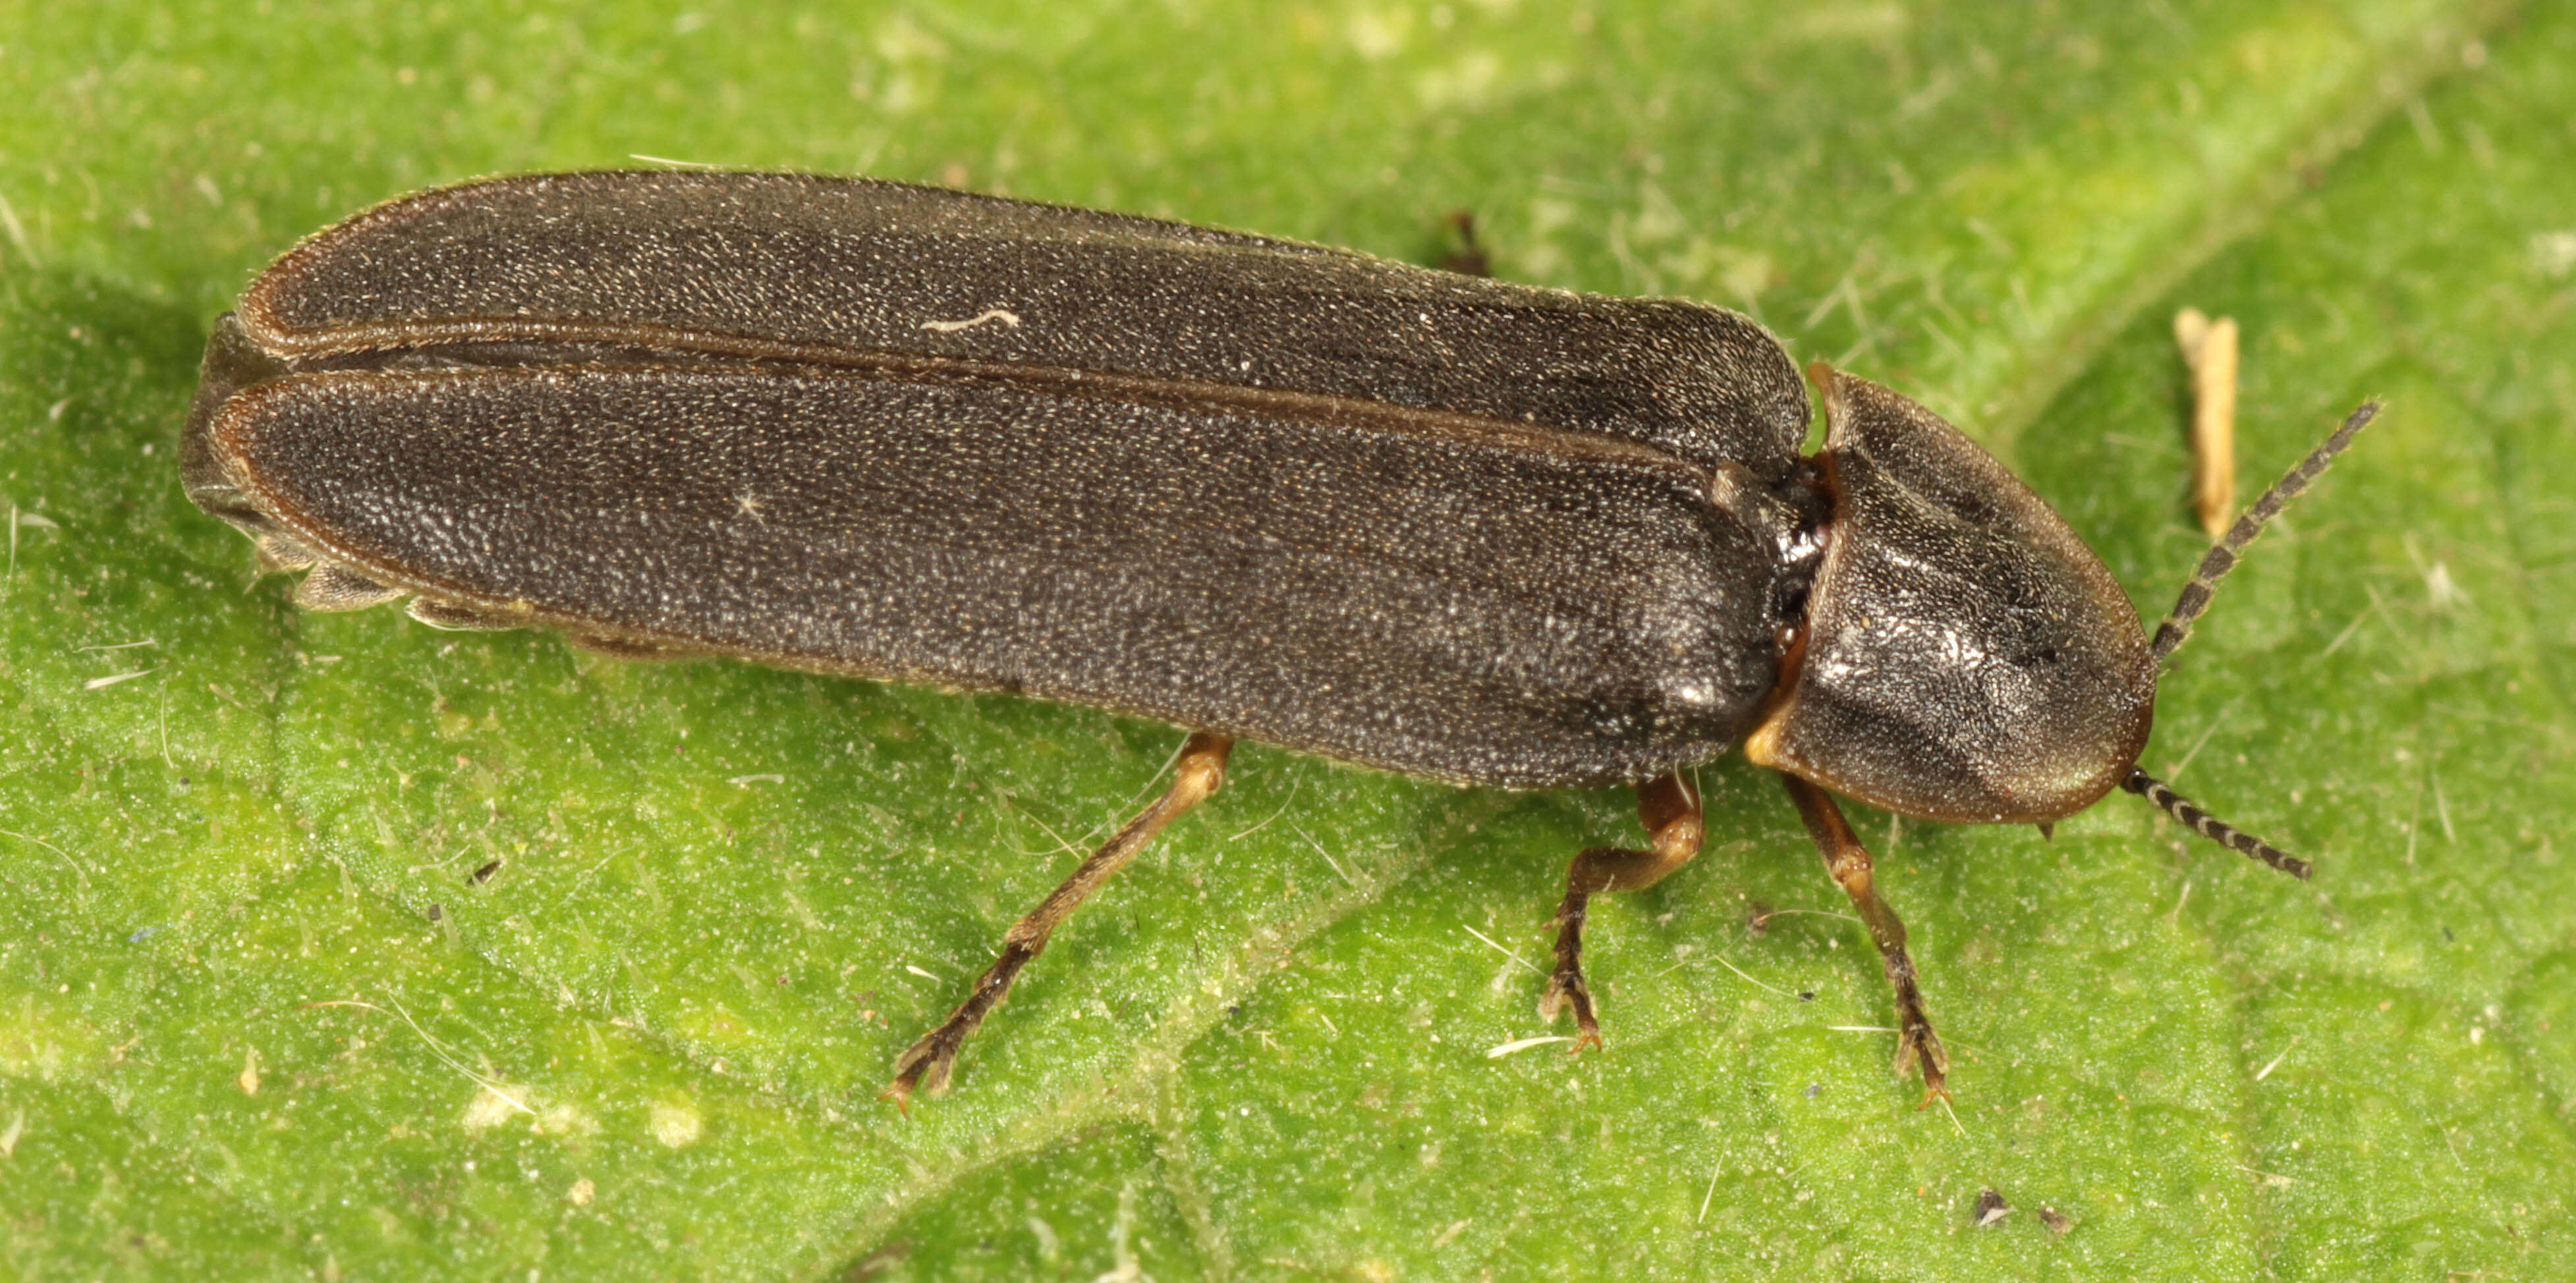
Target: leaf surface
[[263, 1018]]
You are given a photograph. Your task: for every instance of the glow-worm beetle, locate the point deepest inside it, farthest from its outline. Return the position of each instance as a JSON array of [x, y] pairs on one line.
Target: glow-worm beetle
[[1436, 524]]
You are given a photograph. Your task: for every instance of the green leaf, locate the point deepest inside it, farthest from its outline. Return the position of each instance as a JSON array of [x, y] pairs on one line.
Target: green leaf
[[259, 1016]]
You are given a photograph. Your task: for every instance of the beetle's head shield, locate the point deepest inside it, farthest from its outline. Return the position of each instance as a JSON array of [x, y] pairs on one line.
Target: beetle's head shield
[[1964, 656]]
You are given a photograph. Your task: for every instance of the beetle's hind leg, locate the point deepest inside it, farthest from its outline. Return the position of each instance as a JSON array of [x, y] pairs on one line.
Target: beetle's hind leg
[[925, 1066], [1847, 862], [1670, 811]]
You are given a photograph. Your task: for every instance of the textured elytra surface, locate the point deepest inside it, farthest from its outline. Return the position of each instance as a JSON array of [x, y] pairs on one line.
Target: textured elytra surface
[[1996, 211], [857, 266], [1480, 610]]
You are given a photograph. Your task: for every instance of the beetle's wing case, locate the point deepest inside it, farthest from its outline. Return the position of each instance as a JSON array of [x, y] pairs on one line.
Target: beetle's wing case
[[1446, 525], [1453, 597], [833, 269], [1966, 657]]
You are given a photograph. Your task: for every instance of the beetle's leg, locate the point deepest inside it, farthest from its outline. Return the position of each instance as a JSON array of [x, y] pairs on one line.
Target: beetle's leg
[[925, 1066], [1670, 811], [1847, 861], [1465, 255]]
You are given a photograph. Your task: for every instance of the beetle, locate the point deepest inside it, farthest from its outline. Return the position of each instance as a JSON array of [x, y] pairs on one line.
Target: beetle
[[1431, 523]]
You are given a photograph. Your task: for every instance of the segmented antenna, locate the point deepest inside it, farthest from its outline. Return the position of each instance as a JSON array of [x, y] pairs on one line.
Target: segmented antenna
[[2196, 595], [2222, 557], [2204, 824]]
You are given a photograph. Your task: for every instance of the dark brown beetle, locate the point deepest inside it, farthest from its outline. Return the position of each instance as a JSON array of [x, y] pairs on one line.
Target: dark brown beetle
[[1441, 525]]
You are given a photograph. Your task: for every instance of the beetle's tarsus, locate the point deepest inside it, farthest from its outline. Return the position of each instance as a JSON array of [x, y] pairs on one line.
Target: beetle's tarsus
[[1566, 989], [1917, 1047], [900, 1091], [925, 1066], [1669, 809]]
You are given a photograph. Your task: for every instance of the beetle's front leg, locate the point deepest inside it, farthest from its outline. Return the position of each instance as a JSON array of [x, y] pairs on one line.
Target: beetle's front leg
[[1670, 811], [1847, 862]]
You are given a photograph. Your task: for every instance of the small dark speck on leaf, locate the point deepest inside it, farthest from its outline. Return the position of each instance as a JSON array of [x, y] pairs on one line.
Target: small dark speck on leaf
[[1814, 1089], [2057, 1222], [484, 874], [436, 912], [1991, 1208], [1806, 995]]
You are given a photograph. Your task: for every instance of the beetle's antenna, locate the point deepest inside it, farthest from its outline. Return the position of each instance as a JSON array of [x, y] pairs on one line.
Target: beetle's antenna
[[2195, 599], [2222, 557], [2202, 823]]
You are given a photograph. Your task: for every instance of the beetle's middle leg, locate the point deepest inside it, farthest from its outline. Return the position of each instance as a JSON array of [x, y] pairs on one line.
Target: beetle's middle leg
[[1670, 811], [926, 1064], [1847, 862]]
